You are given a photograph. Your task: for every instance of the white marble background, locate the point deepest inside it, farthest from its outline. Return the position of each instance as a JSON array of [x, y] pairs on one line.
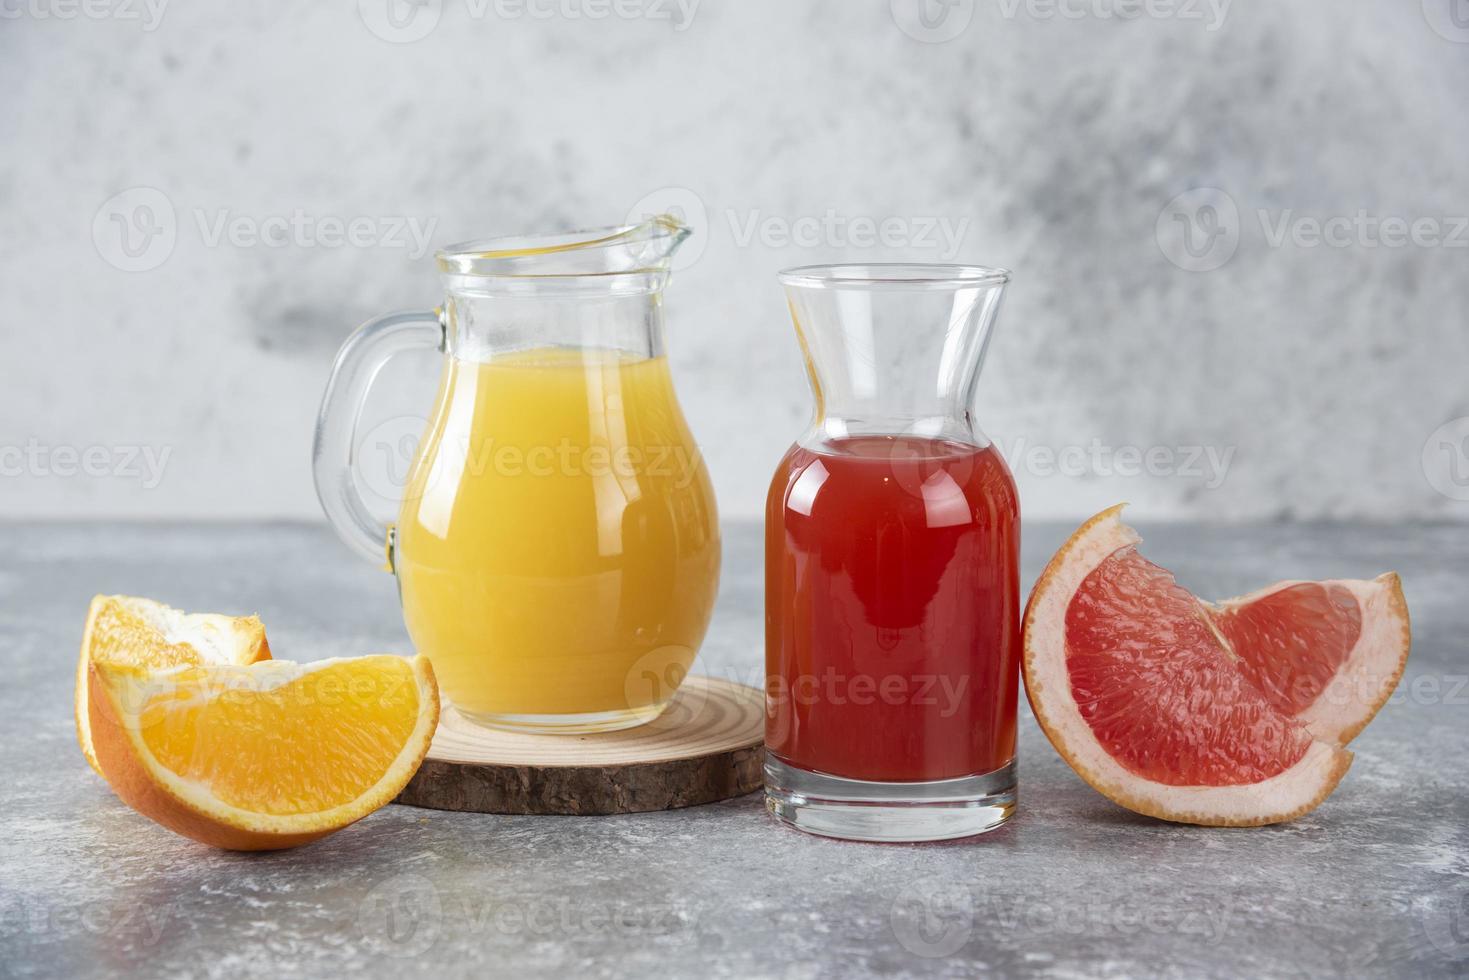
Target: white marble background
[[181, 379]]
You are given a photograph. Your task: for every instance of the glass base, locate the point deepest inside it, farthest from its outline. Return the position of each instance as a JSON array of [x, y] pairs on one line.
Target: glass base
[[588, 723], [857, 809]]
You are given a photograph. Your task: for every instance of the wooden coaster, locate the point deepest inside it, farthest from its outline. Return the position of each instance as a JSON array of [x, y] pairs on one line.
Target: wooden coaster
[[707, 746]]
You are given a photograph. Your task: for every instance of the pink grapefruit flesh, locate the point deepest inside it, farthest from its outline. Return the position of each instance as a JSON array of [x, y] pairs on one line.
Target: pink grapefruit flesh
[[1328, 653], [1159, 690]]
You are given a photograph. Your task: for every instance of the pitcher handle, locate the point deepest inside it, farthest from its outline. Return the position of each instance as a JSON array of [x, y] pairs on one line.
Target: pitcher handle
[[334, 449]]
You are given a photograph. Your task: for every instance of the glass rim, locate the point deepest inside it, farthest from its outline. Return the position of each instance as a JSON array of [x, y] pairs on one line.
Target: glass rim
[[496, 257], [910, 275]]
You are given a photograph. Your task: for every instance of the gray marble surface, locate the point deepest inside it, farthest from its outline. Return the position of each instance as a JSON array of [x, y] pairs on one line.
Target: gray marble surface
[[1374, 883]]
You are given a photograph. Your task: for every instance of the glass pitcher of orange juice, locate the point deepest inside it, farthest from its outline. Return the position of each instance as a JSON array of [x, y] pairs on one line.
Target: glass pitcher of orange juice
[[557, 547]]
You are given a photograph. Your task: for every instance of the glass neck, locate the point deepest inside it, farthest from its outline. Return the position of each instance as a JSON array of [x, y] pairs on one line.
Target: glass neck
[[887, 360], [485, 323]]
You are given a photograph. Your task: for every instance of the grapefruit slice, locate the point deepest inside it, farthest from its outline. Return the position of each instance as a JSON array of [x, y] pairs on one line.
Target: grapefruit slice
[[129, 630], [265, 756], [1223, 715]]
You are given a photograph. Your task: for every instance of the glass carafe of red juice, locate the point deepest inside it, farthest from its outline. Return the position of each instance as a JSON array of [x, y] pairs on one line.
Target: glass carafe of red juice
[[892, 589]]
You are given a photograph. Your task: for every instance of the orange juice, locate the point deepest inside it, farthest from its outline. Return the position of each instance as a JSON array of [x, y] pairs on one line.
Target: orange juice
[[558, 549]]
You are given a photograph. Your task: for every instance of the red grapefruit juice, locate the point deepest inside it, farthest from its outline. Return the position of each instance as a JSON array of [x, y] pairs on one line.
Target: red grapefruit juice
[[892, 622]]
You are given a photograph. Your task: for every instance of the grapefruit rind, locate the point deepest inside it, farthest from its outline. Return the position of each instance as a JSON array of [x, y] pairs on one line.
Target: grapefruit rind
[[217, 639], [189, 808], [1285, 796], [1373, 667]]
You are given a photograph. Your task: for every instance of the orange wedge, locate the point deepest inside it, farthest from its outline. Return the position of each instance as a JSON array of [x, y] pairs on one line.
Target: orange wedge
[[265, 756], [127, 630]]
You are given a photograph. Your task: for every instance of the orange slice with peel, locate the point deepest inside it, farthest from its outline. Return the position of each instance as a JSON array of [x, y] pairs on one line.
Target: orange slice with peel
[[129, 630], [265, 756], [1227, 715]]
